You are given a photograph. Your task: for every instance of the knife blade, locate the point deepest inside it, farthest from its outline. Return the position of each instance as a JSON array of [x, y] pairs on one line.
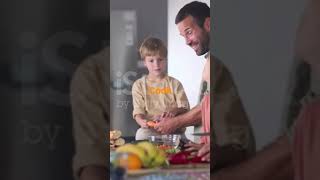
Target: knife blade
[[201, 134]]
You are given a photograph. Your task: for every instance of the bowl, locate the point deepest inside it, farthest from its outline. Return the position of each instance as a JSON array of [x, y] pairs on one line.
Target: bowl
[[169, 140]]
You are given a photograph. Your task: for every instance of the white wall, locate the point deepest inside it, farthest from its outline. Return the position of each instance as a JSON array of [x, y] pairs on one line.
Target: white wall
[[183, 63], [255, 40]]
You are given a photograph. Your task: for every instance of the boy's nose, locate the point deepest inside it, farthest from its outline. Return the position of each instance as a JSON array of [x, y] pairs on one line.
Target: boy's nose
[[157, 63]]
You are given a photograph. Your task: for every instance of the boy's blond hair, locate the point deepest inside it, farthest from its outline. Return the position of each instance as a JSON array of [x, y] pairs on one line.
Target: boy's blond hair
[[152, 46]]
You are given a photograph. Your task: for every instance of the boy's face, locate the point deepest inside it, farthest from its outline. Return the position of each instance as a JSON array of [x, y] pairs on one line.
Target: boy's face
[[155, 64], [196, 37]]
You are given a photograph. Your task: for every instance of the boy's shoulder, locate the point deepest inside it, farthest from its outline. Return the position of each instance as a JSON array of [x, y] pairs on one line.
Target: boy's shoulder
[[139, 81], [172, 79]]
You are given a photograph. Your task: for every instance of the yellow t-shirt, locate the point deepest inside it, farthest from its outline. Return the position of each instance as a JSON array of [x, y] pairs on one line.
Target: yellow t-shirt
[[153, 98]]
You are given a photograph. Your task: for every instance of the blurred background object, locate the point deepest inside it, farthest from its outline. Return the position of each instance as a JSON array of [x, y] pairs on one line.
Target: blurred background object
[[44, 42]]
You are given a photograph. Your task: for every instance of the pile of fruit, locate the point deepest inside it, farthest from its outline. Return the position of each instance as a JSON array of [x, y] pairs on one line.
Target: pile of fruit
[[115, 139], [141, 155]]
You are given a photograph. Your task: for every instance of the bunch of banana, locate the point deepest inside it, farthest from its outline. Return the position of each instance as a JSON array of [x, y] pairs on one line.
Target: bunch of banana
[[148, 153], [115, 139]]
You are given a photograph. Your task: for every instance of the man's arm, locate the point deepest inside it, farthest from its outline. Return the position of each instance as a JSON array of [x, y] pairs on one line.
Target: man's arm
[[274, 162], [178, 111], [190, 118], [170, 125]]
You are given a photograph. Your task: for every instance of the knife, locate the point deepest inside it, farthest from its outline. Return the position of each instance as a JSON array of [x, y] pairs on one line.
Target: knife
[[201, 134]]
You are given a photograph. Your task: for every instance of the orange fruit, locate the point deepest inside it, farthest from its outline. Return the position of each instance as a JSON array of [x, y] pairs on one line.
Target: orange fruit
[[129, 161]]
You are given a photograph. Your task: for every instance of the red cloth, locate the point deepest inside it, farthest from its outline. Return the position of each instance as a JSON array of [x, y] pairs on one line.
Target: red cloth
[[306, 147], [205, 111]]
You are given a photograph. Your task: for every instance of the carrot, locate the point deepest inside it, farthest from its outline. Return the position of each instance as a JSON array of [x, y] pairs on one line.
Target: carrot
[[151, 123]]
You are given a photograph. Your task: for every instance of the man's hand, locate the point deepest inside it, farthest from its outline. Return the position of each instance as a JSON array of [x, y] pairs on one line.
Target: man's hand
[[204, 152], [167, 114], [191, 146], [167, 126]]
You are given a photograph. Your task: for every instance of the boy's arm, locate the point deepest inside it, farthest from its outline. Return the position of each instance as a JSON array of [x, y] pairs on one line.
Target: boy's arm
[[138, 102]]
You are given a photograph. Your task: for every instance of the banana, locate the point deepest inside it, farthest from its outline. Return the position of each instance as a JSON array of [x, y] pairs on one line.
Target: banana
[[159, 160], [150, 148], [152, 151]]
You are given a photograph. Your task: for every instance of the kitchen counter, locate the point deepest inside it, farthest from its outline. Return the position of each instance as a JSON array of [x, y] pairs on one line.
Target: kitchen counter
[[175, 172]]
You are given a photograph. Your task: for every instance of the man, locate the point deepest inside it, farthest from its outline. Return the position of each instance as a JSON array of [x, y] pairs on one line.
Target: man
[[233, 140], [90, 108], [294, 155]]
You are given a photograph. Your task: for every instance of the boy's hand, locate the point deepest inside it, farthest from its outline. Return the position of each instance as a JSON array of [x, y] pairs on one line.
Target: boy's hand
[[143, 124]]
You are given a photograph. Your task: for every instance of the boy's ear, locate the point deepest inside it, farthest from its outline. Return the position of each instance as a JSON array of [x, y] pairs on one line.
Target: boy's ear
[[207, 24]]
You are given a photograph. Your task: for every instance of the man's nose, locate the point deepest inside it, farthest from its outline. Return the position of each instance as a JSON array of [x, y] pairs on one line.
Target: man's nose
[[188, 41]]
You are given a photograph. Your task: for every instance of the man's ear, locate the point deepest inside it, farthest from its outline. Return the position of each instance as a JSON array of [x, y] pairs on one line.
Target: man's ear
[[207, 24]]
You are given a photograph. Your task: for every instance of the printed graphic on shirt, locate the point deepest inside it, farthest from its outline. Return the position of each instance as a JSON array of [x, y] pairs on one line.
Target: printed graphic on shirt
[[158, 90]]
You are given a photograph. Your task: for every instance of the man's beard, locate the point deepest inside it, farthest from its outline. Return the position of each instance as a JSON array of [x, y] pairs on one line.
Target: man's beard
[[204, 44]]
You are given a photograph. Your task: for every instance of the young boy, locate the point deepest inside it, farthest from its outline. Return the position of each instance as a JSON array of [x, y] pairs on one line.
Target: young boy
[[156, 96]]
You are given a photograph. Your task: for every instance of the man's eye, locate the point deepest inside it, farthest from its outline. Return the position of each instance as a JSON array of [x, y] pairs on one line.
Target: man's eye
[[151, 61]]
